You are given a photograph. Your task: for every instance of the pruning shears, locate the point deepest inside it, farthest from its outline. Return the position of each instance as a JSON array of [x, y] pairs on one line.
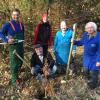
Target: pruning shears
[[16, 41]]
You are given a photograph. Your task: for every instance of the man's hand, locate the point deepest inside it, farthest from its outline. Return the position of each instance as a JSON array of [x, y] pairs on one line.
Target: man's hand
[[10, 40], [71, 40], [98, 64], [32, 71]]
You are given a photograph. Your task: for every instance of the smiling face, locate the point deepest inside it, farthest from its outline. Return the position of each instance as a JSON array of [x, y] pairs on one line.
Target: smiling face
[[91, 28], [45, 19], [39, 51], [15, 15], [63, 26]]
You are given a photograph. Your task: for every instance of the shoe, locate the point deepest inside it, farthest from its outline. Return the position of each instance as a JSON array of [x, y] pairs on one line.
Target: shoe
[[91, 85], [18, 81], [98, 90], [63, 80], [18, 84]]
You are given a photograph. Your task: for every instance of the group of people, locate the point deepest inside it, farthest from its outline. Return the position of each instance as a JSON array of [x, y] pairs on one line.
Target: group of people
[[14, 29]]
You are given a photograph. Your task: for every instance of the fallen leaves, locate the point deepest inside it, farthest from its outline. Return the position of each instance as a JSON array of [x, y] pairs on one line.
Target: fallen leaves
[[74, 89]]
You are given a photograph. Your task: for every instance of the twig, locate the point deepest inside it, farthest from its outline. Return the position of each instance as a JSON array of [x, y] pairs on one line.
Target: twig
[[14, 52]]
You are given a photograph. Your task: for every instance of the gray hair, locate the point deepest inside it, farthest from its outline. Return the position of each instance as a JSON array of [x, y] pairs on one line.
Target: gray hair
[[62, 22], [93, 24]]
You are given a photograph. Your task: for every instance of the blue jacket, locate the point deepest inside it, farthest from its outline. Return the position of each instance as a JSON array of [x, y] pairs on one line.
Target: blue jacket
[[91, 53], [62, 46], [8, 30]]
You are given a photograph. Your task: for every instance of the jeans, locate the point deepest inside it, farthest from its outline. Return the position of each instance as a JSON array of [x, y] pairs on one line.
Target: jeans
[[37, 70]]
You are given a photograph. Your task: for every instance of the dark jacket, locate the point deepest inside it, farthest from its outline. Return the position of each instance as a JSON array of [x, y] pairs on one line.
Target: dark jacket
[[36, 61], [42, 34], [10, 28]]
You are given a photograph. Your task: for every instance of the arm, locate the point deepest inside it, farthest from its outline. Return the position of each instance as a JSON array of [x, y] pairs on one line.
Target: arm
[[23, 30], [3, 37], [50, 60], [55, 42], [4, 32], [78, 42], [50, 40], [98, 52], [81, 41], [32, 62]]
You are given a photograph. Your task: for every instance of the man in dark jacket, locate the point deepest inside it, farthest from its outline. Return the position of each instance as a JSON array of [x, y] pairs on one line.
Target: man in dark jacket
[[38, 61], [42, 33]]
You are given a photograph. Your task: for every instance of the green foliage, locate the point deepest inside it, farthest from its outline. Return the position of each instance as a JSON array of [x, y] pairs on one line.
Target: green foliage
[[46, 1], [72, 10]]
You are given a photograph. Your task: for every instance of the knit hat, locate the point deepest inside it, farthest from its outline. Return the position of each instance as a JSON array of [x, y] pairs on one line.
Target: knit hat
[[36, 46]]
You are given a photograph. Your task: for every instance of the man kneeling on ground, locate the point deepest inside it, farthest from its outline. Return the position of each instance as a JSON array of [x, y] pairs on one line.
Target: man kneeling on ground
[[39, 62]]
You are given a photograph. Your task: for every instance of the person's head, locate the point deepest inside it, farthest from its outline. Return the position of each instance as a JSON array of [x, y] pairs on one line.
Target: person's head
[[38, 49], [63, 26], [45, 17], [91, 27], [16, 14]]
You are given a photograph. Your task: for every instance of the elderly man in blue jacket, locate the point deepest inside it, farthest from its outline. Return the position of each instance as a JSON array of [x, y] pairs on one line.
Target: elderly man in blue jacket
[[91, 56], [62, 45]]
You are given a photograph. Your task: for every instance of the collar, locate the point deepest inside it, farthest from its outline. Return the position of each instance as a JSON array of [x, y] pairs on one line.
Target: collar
[[91, 35], [14, 21], [63, 34]]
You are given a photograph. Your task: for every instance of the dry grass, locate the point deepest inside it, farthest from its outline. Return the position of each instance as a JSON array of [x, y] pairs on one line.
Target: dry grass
[[74, 89]]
